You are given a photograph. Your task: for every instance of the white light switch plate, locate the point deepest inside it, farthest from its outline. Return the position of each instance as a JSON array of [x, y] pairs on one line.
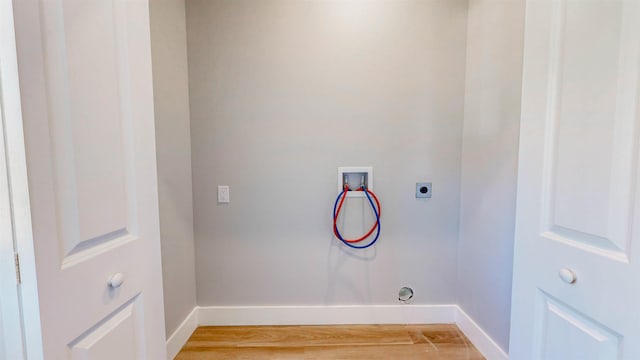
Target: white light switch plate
[[223, 194]]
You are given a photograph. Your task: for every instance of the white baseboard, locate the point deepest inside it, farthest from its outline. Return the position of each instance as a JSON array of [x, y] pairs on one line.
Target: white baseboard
[[480, 339], [326, 315], [179, 337], [334, 315]]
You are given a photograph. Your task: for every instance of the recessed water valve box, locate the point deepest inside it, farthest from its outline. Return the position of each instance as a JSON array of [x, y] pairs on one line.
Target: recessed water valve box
[[355, 177], [423, 190]]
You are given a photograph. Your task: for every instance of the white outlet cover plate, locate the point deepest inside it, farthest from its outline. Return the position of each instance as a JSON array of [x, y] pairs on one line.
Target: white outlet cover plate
[[355, 169], [223, 194]]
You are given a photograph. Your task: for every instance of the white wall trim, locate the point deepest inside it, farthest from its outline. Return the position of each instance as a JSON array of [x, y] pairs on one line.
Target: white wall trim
[[480, 339], [334, 315], [176, 341], [327, 315]]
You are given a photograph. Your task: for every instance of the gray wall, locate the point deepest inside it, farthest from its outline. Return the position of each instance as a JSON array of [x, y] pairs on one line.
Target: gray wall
[[168, 42], [283, 92], [489, 162]]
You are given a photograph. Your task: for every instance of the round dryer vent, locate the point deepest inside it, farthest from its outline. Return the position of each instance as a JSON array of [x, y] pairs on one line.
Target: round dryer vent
[[405, 294]]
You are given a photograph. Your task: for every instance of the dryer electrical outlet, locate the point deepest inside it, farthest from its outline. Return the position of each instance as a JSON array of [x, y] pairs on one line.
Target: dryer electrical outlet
[[423, 190]]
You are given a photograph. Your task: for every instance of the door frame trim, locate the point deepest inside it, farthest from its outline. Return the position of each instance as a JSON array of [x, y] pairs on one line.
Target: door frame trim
[[18, 183]]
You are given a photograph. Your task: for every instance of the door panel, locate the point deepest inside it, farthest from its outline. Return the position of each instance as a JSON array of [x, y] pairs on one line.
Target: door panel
[[590, 126], [117, 337], [577, 183], [88, 113], [88, 120], [88, 147], [567, 334]]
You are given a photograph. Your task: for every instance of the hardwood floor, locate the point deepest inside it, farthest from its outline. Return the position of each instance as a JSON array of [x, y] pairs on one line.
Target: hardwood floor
[[441, 341]]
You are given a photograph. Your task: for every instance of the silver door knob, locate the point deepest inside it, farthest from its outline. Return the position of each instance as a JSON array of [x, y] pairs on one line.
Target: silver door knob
[[116, 280], [567, 275]]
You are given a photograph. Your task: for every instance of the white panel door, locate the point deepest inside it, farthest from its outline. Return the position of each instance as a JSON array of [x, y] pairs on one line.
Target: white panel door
[[577, 211], [86, 87]]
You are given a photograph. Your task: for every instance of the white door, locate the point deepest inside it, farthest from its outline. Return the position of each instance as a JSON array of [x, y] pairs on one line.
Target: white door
[[578, 207], [86, 89]]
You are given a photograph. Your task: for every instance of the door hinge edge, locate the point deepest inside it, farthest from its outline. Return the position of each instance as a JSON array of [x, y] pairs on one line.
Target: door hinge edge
[[17, 261]]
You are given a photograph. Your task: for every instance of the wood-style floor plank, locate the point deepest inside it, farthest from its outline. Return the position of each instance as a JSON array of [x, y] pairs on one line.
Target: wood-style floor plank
[[298, 336], [438, 342]]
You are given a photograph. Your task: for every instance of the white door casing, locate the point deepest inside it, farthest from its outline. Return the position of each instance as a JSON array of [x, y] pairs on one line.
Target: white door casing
[[11, 343], [86, 88], [577, 205], [19, 301]]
